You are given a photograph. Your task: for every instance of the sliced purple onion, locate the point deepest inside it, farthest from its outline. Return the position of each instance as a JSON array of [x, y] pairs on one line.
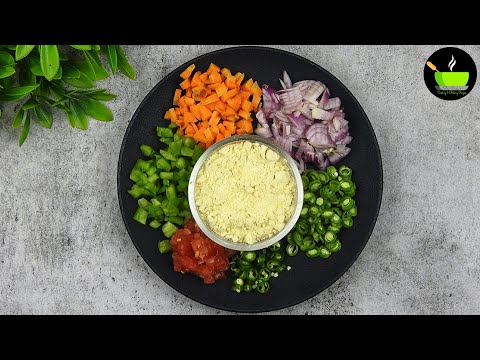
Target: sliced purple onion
[[305, 122], [332, 103]]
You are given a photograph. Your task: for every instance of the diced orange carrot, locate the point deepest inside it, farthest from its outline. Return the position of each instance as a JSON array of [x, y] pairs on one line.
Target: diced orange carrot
[[195, 110], [189, 101], [188, 117], [212, 105], [173, 115], [229, 111], [212, 98], [196, 79], [204, 77], [244, 114], [214, 118], [229, 94], [176, 96], [189, 130], [247, 85], [239, 78], [214, 130], [185, 84], [208, 135], [232, 118], [231, 82], [205, 112], [214, 86], [167, 115], [256, 89], [256, 102], [226, 72], [245, 94], [213, 68], [247, 105], [216, 104], [221, 89], [181, 102], [219, 137], [187, 72], [220, 106], [214, 77]]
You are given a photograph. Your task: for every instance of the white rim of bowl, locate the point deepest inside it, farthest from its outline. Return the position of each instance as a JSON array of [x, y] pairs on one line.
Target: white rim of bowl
[[244, 246]]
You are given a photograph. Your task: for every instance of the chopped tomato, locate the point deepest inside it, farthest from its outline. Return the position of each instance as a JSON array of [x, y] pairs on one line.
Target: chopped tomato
[[195, 253]]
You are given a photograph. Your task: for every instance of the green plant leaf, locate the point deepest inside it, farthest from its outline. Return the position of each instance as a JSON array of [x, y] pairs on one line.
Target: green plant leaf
[[63, 56], [22, 51], [112, 58], [96, 109], [35, 67], [100, 72], [6, 59], [76, 116], [44, 116], [123, 64], [82, 47], [59, 74], [71, 73], [49, 60], [26, 77], [20, 90], [88, 69], [83, 81], [59, 102], [95, 47], [6, 71], [18, 118], [103, 96], [30, 104], [25, 130]]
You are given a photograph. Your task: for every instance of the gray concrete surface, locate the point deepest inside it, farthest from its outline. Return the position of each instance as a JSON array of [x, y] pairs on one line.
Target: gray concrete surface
[[64, 248]]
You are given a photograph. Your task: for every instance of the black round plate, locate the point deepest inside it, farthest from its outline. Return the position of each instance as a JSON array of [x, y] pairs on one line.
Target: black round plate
[[307, 277]]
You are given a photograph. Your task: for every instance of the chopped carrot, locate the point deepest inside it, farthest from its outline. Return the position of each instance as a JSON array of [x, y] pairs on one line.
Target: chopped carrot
[[229, 94], [213, 68], [215, 77], [212, 98], [226, 72], [219, 137], [246, 105], [231, 82], [245, 94], [185, 84], [256, 89], [196, 80], [204, 77], [188, 71], [221, 89], [205, 113], [239, 78], [176, 96], [215, 106], [173, 115], [247, 86], [256, 102]]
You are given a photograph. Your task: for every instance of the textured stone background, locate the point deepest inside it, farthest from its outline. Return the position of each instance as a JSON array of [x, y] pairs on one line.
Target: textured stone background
[[64, 248]]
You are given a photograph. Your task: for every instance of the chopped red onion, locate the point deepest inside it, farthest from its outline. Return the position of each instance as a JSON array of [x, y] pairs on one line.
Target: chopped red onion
[[332, 103], [305, 122]]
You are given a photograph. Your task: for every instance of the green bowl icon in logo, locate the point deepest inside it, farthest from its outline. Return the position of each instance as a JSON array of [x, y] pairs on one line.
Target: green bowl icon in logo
[[451, 78]]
